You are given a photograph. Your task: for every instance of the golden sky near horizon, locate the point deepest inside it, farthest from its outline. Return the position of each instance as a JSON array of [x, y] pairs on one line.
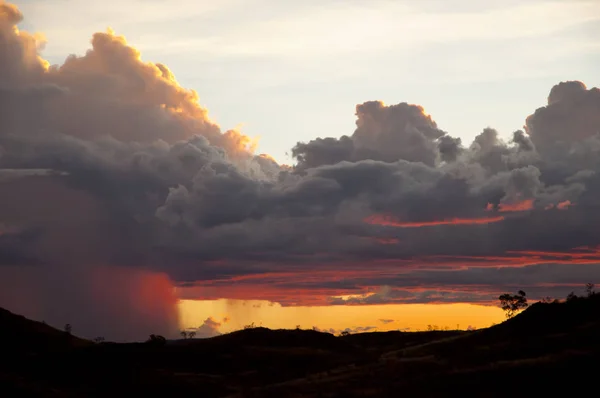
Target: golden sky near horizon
[[235, 314]]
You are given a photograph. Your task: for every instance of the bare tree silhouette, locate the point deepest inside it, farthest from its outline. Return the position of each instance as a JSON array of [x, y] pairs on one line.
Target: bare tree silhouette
[[589, 289], [511, 304]]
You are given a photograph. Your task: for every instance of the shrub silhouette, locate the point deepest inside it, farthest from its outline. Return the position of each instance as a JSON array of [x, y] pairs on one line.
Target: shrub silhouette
[[572, 296], [157, 340]]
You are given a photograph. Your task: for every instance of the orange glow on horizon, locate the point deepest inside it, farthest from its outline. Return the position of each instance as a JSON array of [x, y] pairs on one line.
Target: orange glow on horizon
[[273, 315]]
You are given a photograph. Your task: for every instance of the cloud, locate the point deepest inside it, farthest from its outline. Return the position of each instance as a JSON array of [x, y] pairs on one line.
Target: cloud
[[209, 328], [568, 122], [353, 330], [386, 133], [10, 174], [360, 329], [386, 321], [110, 167]]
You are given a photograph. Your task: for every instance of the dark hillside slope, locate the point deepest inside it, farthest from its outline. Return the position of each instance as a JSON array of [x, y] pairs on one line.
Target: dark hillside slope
[[19, 335], [263, 337], [543, 328], [547, 348], [395, 340], [211, 367], [553, 317]]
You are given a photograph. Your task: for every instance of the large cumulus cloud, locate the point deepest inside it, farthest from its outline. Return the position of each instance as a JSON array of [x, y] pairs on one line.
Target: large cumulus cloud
[[108, 164], [386, 133]]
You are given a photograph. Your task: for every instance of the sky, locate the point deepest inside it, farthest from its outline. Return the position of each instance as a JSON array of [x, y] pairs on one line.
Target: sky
[[360, 165], [294, 71]]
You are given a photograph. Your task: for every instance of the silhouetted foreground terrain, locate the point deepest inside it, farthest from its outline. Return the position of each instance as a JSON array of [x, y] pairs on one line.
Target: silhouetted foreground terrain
[[545, 348]]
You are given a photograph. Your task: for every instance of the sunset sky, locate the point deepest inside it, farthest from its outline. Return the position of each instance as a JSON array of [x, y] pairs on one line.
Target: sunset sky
[[360, 165]]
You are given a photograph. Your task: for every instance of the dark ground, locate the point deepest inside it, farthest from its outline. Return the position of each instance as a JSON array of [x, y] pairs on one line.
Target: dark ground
[[544, 350]]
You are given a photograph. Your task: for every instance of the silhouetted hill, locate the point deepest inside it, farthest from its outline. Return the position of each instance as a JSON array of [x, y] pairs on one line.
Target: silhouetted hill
[[547, 348], [19, 335], [394, 340], [553, 317], [263, 337]]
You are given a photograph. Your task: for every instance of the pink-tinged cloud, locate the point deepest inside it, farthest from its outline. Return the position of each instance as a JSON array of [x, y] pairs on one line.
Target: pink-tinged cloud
[[389, 221], [564, 205], [517, 206], [387, 241], [316, 285]]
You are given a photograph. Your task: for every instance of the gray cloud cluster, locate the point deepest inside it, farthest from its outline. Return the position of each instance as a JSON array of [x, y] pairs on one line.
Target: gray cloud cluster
[[353, 330], [209, 328], [385, 133], [106, 161]]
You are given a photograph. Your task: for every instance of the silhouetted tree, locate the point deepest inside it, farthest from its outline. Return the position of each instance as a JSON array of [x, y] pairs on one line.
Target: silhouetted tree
[[68, 328], [183, 334], [511, 304], [345, 333], [191, 335], [589, 289], [571, 296], [250, 326]]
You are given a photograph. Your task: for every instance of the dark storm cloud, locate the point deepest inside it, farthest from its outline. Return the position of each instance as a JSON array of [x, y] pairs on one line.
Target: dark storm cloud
[[116, 164], [449, 148], [567, 127], [386, 133], [522, 141]]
